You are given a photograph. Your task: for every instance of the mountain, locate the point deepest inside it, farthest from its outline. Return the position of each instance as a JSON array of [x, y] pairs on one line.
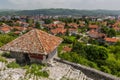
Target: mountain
[[60, 12]]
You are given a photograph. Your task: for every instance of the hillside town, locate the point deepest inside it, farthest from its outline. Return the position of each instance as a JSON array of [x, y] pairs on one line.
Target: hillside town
[[91, 41], [101, 29]]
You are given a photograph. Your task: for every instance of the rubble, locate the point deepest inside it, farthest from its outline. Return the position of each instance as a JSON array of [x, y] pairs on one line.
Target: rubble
[[57, 70], [12, 74]]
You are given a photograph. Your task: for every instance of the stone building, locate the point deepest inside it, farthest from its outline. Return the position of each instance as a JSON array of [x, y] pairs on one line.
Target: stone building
[[34, 46]]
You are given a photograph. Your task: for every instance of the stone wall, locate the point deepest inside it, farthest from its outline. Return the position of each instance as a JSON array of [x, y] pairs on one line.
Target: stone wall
[[52, 54], [18, 56], [90, 72], [48, 58]]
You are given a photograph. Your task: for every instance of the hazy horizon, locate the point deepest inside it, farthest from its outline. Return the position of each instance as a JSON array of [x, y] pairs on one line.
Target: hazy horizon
[[76, 4]]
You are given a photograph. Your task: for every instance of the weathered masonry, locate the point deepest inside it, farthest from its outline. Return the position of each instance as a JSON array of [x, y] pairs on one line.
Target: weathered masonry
[[34, 46]]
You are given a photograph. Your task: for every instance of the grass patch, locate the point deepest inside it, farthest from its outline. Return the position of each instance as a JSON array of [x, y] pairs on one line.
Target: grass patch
[[2, 59], [72, 38], [76, 58], [35, 69], [13, 65]]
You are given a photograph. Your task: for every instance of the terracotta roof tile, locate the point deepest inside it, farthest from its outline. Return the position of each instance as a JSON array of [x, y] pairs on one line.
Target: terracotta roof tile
[[95, 34], [19, 28], [58, 30], [35, 41], [111, 39], [67, 49], [17, 32], [5, 29], [72, 29], [74, 25], [93, 26], [116, 28]]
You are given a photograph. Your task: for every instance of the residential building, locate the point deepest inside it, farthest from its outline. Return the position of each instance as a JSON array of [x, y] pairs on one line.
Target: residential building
[[34, 46]]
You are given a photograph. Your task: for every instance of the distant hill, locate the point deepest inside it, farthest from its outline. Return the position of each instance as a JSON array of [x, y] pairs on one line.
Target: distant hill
[[60, 12]]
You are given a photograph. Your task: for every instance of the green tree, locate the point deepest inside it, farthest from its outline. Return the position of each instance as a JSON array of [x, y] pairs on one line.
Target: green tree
[[4, 39], [48, 21], [105, 69], [79, 48], [96, 53], [67, 32], [104, 29], [37, 25], [111, 33], [103, 53]]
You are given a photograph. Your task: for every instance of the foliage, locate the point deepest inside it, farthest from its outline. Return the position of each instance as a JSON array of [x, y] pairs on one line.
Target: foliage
[[74, 57], [104, 29], [5, 38], [111, 22], [114, 66], [69, 39], [93, 41], [83, 29], [30, 21], [91, 52], [109, 31], [2, 59], [35, 69], [6, 54], [117, 56], [79, 48], [106, 59], [96, 53], [37, 25], [105, 69], [13, 65], [48, 21]]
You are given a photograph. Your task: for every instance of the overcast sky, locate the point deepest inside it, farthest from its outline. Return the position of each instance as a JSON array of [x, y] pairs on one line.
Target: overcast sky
[[71, 4]]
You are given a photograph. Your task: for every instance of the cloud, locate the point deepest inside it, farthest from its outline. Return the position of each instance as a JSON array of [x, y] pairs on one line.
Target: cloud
[[77, 4]]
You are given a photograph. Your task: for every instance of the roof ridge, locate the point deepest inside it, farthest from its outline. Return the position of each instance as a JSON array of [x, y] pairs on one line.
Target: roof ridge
[[36, 31], [35, 41]]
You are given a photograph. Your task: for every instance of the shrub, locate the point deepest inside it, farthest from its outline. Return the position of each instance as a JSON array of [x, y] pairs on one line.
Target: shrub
[[117, 56], [13, 65], [105, 69], [35, 69], [2, 59], [74, 57], [96, 53], [69, 39], [92, 65], [118, 74], [79, 48], [6, 54], [4, 39]]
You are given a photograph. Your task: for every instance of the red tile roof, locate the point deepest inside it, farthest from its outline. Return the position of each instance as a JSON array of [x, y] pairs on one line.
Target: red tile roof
[[94, 34], [19, 28], [5, 29], [17, 32], [58, 30], [35, 41], [73, 25], [116, 28], [67, 49], [111, 40], [60, 25], [93, 26], [72, 29]]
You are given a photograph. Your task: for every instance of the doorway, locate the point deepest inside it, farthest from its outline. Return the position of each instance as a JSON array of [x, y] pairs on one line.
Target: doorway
[[27, 59]]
